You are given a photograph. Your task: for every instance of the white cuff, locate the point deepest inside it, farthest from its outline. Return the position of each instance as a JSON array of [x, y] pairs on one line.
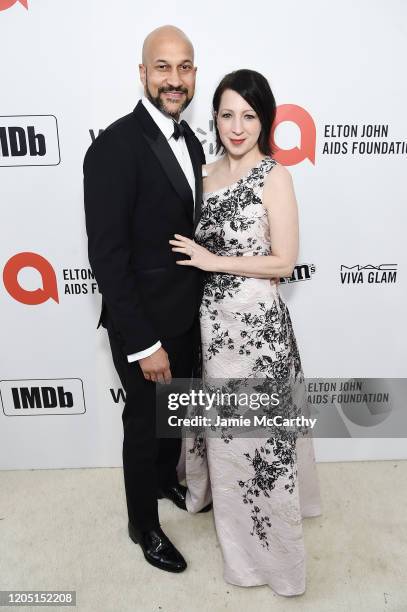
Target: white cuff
[[146, 353]]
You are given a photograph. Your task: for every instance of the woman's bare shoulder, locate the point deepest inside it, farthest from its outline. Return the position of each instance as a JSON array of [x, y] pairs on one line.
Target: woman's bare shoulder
[[278, 188], [279, 174]]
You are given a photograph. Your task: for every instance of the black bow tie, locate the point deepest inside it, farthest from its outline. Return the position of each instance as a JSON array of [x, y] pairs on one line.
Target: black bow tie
[[179, 130]]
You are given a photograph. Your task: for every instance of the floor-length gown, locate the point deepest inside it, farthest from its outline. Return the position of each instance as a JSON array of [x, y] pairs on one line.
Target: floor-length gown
[[261, 487]]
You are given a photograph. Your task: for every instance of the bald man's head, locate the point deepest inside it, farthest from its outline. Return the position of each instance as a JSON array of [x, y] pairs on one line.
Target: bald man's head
[[168, 71], [162, 35]]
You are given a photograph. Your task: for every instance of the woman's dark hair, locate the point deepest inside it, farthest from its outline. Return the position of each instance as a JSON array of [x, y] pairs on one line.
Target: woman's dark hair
[[255, 89]]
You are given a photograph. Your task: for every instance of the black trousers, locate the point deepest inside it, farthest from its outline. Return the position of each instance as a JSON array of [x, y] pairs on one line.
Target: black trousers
[[149, 462]]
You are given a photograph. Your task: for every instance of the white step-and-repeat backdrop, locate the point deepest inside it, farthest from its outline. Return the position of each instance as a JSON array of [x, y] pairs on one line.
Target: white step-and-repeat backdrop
[[69, 69]]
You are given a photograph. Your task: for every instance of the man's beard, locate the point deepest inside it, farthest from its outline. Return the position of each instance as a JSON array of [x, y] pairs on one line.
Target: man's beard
[[158, 103]]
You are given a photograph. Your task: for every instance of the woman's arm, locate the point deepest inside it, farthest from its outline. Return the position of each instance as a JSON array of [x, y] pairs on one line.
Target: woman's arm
[[280, 202]]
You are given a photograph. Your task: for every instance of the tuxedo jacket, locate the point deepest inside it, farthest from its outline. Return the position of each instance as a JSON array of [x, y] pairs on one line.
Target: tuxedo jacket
[[136, 198]]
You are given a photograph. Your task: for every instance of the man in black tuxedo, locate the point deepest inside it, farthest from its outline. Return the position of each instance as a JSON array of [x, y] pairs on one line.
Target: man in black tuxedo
[[142, 184]]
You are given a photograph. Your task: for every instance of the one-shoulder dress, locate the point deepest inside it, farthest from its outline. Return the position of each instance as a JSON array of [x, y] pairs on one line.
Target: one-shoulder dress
[[261, 487]]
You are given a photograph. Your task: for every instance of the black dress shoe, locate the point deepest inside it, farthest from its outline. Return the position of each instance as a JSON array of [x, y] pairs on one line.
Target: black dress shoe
[[158, 549], [177, 494]]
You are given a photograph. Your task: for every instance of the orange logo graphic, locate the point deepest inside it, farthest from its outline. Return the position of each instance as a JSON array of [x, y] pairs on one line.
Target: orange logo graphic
[[38, 296], [5, 4], [306, 150]]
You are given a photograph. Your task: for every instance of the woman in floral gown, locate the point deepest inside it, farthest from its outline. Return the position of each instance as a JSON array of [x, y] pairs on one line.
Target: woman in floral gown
[[247, 236]]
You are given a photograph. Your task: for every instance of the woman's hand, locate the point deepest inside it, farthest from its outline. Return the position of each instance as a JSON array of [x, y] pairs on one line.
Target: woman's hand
[[200, 257]]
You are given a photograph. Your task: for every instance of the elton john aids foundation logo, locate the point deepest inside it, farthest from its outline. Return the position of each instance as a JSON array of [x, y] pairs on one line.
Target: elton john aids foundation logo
[[306, 149], [16, 264], [31, 280], [6, 4]]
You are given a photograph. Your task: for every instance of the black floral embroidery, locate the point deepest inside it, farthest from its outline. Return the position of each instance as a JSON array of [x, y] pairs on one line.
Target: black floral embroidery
[[266, 473], [220, 339], [199, 447], [218, 286], [226, 410], [263, 327], [235, 223]]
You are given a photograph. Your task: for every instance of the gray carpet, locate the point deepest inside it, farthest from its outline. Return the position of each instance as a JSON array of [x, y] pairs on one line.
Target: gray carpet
[[66, 529]]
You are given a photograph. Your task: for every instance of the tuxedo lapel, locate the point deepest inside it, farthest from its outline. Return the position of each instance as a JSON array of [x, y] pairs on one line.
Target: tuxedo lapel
[[165, 156], [197, 166]]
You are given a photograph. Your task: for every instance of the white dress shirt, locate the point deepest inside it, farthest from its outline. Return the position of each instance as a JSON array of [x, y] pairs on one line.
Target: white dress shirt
[[180, 150]]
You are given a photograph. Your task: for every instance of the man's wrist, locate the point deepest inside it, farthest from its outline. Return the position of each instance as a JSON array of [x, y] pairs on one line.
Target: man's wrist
[[145, 353]]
